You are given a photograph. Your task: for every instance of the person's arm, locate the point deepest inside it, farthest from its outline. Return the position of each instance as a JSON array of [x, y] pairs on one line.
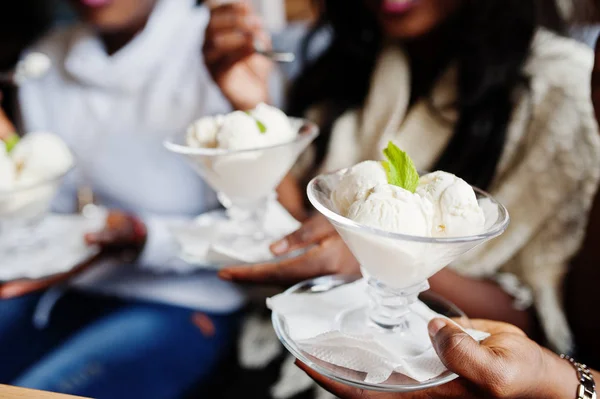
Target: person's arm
[[147, 240], [581, 285], [467, 294]]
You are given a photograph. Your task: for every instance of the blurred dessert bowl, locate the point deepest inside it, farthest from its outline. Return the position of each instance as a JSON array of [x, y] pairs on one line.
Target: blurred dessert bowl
[[31, 171], [243, 156]]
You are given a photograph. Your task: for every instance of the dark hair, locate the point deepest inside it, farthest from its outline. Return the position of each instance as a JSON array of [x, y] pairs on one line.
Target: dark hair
[[490, 47]]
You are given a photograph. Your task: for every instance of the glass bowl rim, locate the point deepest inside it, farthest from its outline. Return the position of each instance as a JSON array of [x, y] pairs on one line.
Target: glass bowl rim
[[498, 227], [170, 142]]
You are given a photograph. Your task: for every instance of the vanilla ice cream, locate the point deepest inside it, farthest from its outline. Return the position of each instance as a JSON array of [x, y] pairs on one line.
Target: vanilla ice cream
[[356, 184], [203, 132], [393, 209], [442, 206], [276, 122], [30, 175], [456, 211], [40, 156], [7, 170], [261, 127], [240, 131]]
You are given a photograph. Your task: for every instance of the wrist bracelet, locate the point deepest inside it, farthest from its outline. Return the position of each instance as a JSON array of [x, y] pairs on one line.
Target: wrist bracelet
[[587, 387]]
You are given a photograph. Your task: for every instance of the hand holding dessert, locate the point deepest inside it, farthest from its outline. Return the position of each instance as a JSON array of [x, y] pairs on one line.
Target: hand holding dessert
[[229, 53], [122, 232], [505, 365], [327, 254]]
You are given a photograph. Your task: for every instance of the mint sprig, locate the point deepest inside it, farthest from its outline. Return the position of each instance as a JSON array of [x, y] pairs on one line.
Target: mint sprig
[[400, 169], [11, 142], [261, 126]]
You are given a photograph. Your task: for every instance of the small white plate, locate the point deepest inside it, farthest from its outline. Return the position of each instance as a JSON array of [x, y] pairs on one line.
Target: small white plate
[[198, 241], [64, 248]]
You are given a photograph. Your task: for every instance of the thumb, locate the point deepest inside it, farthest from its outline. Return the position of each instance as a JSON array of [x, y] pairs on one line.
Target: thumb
[[460, 353]]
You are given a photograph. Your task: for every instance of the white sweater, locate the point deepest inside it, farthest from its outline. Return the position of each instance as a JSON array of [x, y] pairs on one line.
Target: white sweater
[[546, 177], [114, 112]]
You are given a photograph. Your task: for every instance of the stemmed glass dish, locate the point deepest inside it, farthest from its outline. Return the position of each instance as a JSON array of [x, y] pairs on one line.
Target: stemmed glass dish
[[245, 181], [22, 211], [396, 267]]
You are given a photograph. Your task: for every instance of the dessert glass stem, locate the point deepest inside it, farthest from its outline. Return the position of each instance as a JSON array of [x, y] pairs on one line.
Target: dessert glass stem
[[390, 307], [248, 214]]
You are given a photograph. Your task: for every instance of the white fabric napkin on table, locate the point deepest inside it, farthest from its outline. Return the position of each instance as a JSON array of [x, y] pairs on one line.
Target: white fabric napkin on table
[[311, 322], [197, 239]]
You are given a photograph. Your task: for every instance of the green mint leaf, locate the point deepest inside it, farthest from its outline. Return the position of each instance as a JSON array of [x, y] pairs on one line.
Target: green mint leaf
[[11, 141], [400, 169], [261, 126]]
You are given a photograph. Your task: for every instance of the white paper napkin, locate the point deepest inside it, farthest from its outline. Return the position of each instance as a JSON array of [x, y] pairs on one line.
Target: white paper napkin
[[64, 248], [197, 240], [311, 322]]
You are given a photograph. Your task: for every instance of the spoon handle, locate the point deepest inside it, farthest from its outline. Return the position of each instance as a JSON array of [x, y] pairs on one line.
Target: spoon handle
[[276, 56]]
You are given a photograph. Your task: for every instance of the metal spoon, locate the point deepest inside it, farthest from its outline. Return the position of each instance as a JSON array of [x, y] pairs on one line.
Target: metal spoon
[[275, 56]]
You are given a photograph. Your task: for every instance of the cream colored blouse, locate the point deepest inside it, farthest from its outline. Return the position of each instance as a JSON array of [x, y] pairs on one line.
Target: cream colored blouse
[[546, 177]]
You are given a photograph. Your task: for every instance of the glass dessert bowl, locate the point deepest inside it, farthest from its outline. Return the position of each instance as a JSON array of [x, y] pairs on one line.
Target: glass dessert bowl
[[245, 181], [396, 267], [22, 211]]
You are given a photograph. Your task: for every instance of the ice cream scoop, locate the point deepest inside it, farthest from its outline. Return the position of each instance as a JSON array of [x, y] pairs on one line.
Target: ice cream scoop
[[394, 209], [240, 131], [261, 127], [356, 183], [276, 122], [7, 169], [203, 132], [40, 156], [438, 204], [456, 211]]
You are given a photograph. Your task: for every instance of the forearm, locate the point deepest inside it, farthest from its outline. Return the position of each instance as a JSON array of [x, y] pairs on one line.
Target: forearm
[[467, 294], [561, 380]]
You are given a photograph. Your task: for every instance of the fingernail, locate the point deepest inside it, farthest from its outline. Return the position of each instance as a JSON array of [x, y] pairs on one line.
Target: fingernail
[[435, 326], [280, 246]]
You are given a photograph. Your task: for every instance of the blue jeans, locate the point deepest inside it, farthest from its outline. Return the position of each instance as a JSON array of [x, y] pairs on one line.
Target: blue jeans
[[105, 348]]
